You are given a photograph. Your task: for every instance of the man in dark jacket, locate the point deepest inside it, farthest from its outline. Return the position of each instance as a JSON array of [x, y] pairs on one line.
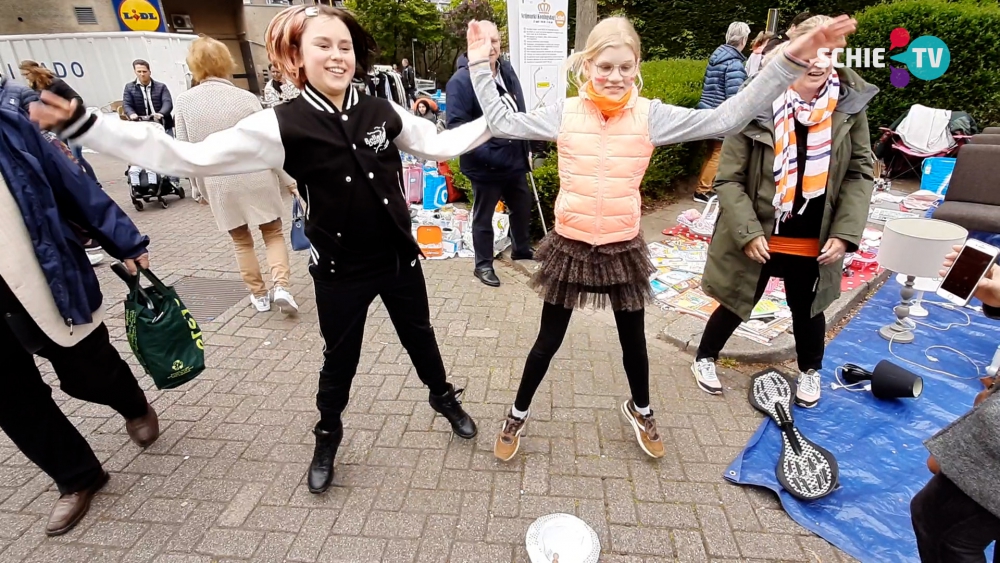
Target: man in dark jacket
[[51, 306], [723, 78], [409, 81], [21, 93], [497, 168], [145, 97]]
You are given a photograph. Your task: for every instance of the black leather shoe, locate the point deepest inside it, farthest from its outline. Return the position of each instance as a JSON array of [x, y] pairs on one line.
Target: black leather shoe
[[529, 255], [488, 276], [450, 407], [321, 468]]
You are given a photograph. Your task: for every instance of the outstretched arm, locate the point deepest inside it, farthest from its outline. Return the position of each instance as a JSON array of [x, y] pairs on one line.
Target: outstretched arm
[[541, 124], [421, 138], [669, 124], [672, 124], [252, 145]]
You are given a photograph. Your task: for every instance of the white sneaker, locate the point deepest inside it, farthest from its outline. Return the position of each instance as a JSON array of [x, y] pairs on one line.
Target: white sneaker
[[284, 300], [95, 258], [808, 389], [262, 303], [705, 376]]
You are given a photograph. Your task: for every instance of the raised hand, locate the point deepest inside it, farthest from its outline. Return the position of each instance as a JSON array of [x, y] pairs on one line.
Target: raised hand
[[479, 42], [53, 112], [830, 36]]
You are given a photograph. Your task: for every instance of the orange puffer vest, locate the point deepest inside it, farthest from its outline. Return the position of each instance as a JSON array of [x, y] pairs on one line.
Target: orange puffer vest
[[601, 164]]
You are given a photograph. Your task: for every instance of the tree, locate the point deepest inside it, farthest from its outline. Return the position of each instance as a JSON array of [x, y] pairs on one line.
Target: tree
[[395, 23], [586, 19], [456, 22]]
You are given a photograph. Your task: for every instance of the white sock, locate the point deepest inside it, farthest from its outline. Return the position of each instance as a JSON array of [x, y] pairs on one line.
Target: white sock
[[518, 414], [644, 411]]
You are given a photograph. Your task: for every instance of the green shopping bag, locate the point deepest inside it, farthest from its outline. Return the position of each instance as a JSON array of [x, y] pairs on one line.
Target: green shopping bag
[[163, 335]]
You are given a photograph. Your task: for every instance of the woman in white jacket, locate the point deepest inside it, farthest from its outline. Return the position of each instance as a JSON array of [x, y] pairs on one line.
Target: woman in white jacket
[[245, 200]]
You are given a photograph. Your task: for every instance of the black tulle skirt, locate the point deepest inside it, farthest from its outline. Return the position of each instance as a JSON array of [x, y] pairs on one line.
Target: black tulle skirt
[[575, 274]]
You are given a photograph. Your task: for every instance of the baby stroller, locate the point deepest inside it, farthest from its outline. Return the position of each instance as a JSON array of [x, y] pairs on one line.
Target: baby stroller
[[146, 185]]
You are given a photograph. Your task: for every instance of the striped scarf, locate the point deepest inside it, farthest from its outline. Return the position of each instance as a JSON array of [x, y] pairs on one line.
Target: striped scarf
[[818, 115]]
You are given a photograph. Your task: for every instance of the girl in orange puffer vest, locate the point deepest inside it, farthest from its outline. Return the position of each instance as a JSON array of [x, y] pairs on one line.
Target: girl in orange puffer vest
[[605, 136]]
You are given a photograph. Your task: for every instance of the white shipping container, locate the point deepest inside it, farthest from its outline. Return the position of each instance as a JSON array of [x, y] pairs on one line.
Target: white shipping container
[[97, 65]]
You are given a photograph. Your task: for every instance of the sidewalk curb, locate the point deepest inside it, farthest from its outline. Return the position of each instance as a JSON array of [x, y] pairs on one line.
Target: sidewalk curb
[[525, 267], [684, 331]]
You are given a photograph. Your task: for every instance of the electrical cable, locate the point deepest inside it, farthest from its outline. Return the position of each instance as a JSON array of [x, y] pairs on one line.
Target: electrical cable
[[968, 322], [866, 385]]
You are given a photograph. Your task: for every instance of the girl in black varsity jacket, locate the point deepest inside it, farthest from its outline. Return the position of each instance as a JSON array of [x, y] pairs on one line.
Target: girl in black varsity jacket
[[342, 148]]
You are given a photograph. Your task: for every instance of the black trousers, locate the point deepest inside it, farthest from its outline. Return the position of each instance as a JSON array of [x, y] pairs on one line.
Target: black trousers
[[91, 371], [555, 321], [342, 301], [517, 196], [950, 526], [801, 274]]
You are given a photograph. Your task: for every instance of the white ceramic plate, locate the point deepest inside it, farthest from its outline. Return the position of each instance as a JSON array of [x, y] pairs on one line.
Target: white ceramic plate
[[563, 534]]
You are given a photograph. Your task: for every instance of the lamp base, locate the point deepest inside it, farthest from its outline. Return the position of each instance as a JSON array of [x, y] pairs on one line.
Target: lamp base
[[896, 333], [902, 330], [917, 309]]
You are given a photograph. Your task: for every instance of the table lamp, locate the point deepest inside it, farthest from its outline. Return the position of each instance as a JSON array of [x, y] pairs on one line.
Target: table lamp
[[915, 248]]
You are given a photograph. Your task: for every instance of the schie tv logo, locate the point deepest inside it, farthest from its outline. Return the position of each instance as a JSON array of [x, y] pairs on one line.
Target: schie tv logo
[[927, 57]]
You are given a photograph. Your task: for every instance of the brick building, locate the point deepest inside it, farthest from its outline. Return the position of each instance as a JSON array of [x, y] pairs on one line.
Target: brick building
[[240, 24]]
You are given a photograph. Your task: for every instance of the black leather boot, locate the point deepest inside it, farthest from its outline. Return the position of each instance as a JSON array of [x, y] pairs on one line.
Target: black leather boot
[[450, 407], [321, 468]]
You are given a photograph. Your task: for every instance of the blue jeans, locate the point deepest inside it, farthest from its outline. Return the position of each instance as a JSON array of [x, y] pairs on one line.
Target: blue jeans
[[78, 154]]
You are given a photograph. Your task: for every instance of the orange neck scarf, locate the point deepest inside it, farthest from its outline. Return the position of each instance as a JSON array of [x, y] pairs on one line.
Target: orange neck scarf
[[609, 108]]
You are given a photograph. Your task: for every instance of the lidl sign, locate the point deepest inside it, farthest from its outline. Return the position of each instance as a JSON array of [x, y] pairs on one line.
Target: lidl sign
[[139, 15]]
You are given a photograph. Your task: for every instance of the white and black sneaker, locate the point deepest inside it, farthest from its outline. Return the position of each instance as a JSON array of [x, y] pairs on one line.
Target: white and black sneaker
[[807, 389], [705, 376], [703, 197]]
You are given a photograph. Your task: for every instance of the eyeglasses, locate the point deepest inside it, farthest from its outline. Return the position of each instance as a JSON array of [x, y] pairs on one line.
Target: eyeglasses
[[627, 70]]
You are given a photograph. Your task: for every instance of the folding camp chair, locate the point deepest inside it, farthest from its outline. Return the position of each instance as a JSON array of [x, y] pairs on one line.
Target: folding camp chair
[[902, 160]]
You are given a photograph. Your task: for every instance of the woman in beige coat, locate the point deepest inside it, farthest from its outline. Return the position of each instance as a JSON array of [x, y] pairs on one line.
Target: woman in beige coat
[[238, 202]]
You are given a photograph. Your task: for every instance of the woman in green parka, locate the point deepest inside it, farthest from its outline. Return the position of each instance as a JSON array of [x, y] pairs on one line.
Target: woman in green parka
[[794, 189]]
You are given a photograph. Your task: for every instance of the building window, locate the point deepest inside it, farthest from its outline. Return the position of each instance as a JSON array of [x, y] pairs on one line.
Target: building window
[[85, 15], [279, 2]]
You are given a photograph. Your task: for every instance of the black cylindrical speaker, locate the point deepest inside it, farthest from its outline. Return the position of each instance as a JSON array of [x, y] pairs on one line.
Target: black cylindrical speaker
[[890, 381]]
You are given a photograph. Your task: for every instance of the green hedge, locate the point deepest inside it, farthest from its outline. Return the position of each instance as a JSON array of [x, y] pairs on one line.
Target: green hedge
[[972, 83], [674, 81], [692, 29]]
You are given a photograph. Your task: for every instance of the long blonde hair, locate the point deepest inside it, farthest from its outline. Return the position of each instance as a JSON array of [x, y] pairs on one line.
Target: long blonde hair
[[609, 32], [38, 77]]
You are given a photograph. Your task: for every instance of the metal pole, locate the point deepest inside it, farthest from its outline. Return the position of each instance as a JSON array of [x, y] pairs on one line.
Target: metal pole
[[538, 202], [413, 45], [541, 216]]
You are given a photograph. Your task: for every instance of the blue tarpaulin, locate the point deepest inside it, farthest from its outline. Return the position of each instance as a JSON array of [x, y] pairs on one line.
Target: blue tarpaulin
[[878, 444]]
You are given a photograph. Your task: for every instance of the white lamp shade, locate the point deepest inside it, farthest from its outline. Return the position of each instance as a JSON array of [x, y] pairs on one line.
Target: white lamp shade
[[917, 247]]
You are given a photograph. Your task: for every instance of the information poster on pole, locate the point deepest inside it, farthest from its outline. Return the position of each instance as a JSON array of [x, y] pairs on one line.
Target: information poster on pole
[[538, 43]]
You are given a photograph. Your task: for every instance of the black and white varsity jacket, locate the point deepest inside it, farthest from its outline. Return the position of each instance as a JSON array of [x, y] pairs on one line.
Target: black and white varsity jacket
[[346, 162]]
